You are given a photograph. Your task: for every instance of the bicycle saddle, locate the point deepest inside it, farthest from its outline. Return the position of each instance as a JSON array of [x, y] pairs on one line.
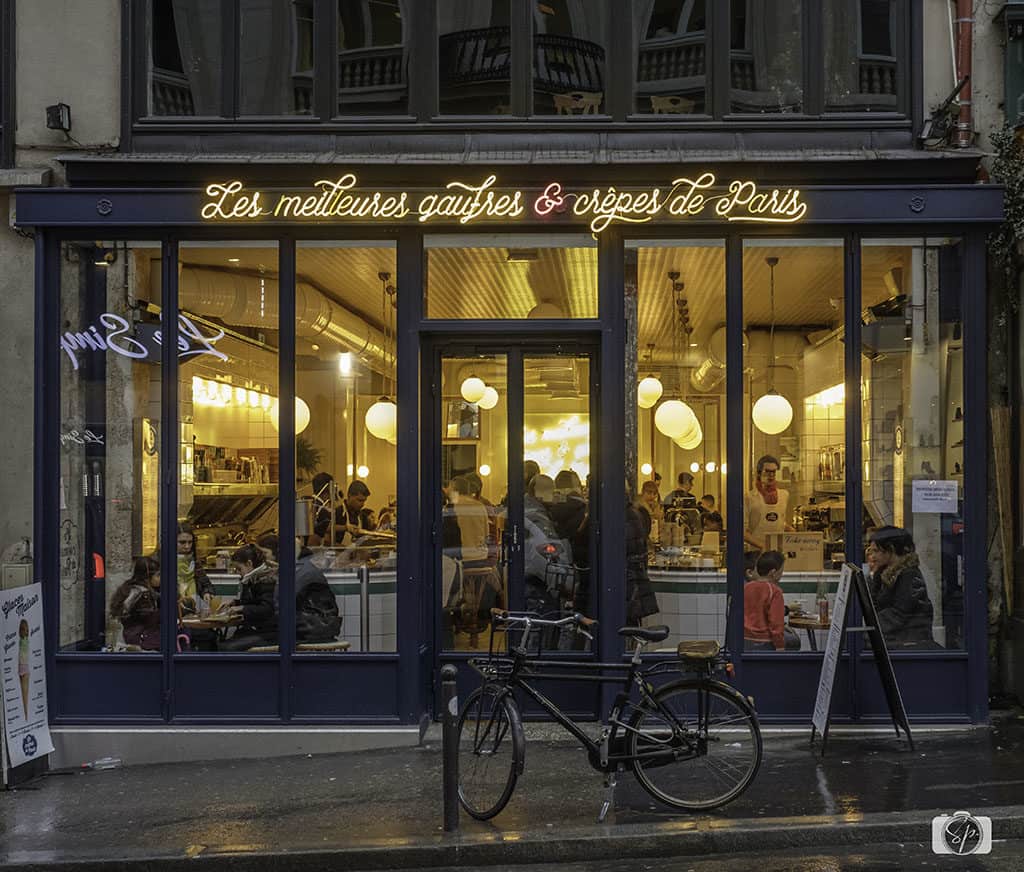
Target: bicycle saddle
[[699, 650], [648, 634]]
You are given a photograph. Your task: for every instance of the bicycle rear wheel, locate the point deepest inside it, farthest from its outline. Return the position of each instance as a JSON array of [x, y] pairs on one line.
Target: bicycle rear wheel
[[491, 751], [699, 748]]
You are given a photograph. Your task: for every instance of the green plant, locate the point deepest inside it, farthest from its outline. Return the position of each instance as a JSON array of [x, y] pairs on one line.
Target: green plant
[[307, 457], [1004, 242]]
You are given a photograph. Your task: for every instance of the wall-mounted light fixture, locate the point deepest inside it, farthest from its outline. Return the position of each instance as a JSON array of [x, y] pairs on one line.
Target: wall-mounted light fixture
[[58, 117]]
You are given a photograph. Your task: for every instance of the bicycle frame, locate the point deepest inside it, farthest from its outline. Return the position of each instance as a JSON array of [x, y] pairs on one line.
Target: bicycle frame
[[513, 671]]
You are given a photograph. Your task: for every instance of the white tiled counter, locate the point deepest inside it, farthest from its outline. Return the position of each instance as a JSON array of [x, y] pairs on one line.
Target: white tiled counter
[[692, 603]]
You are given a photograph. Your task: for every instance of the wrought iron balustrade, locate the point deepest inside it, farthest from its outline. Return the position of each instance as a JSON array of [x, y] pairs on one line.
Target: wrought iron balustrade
[[170, 93]]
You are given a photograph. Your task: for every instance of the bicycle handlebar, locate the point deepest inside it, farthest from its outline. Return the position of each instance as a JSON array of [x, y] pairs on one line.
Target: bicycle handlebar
[[525, 617]]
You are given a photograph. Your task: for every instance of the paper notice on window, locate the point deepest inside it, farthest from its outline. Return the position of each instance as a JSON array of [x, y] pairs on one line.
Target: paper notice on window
[[935, 496]]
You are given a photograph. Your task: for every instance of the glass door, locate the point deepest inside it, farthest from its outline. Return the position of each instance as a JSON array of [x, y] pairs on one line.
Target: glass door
[[513, 516]]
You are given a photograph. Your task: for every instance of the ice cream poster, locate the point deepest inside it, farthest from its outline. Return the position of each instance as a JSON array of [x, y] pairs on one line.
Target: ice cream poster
[[23, 669]]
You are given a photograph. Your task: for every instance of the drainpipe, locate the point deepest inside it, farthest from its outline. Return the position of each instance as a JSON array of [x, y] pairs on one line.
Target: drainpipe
[[964, 36]]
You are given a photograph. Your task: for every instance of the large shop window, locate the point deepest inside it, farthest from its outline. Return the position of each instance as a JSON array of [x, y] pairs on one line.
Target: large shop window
[[345, 448], [912, 414], [676, 572], [229, 483], [511, 277], [794, 443], [110, 460]]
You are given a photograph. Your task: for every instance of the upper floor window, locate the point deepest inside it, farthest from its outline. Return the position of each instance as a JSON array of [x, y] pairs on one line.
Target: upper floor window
[[593, 59]]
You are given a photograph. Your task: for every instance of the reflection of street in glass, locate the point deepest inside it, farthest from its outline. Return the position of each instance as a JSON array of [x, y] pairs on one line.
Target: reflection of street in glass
[[23, 663]]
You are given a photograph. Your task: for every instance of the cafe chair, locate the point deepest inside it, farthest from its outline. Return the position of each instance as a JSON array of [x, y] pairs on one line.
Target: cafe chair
[[671, 105], [578, 102]]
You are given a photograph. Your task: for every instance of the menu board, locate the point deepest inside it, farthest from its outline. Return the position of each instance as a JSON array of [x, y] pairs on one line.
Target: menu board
[[827, 680], [23, 670]]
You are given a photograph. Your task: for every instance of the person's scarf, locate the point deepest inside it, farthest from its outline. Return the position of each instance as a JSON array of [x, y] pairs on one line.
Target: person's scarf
[[769, 492]]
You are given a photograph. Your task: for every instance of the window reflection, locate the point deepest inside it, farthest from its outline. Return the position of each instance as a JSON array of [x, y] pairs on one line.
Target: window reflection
[[860, 62], [474, 57], [275, 57], [372, 57], [569, 47], [670, 57], [185, 58], [766, 59]]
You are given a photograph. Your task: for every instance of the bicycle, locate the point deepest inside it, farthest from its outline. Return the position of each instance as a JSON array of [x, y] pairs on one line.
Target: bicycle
[[699, 721]]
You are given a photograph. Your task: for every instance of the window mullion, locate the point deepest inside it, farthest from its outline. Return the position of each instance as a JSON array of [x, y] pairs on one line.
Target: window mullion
[[230, 54], [422, 71], [718, 44], [325, 58], [521, 26], [814, 58]]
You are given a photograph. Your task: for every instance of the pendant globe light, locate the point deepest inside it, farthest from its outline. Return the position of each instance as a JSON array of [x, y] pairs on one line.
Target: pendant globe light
[[650, 389], [675, 418], [772, 413], [473, 389], [301, 415], [489, 400], [381, 418]]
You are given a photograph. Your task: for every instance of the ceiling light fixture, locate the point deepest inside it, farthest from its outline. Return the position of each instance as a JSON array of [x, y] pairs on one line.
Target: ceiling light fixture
[[382, 417], [772, 413]]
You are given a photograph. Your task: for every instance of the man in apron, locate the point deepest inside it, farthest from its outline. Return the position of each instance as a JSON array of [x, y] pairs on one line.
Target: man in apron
[[767, 505]]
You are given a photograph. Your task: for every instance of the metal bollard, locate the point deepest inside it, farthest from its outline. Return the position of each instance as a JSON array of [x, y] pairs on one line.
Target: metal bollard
[[450, 747]]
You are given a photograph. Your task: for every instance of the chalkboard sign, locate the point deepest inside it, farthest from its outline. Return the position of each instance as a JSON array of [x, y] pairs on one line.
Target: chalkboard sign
[[826, 682]]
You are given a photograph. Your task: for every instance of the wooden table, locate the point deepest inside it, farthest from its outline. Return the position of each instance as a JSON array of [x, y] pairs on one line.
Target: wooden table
[[810, 623], [210, 622]]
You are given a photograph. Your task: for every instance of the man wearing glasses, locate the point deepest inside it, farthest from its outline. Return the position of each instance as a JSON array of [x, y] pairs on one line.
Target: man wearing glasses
[[767, 505]]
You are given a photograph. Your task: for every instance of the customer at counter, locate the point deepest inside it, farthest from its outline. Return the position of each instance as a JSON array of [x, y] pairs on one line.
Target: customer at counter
[[767, 505], [256, 603], [682, 497], [136, 604], [641, 601], [898, 589], [650, 509]]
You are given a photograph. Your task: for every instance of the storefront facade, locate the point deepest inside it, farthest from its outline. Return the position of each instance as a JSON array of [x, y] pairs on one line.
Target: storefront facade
[[246, 329], [500, 301]]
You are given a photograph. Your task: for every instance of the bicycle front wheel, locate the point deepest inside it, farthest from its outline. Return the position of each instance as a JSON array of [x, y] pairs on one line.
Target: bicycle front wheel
[[698, 747], [491, 751]]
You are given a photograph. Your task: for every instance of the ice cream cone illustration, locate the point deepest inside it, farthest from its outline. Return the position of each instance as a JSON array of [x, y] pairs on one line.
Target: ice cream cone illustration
[[23, 670]]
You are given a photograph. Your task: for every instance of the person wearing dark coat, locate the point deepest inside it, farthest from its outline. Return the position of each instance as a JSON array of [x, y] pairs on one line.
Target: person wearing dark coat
[[136, 603], [256, 603], [316, 610], [898, 589], [641, 601]]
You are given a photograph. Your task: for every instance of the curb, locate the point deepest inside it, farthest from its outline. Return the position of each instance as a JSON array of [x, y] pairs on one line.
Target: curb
[[682, 838]]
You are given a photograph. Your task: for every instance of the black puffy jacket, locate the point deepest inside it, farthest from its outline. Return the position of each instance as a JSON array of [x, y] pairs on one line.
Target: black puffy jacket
[[316, 610]]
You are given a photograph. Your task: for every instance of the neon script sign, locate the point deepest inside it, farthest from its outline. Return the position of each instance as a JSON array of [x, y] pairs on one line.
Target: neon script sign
[[340, 199], [116, 336]]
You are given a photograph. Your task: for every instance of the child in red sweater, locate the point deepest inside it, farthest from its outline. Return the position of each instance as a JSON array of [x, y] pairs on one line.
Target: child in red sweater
[[764, 610]]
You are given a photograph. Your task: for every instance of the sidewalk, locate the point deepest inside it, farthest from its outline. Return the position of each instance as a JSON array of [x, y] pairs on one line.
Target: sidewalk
[[382, 809]]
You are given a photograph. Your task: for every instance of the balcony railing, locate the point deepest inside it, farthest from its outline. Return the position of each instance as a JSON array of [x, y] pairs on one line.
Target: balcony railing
[[878, 75], [565, 63], [470, 56], [661, 60], [170, 93], [376, 74]]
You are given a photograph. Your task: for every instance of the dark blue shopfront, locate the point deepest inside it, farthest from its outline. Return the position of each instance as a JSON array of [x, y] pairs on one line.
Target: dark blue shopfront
[[343, 327]]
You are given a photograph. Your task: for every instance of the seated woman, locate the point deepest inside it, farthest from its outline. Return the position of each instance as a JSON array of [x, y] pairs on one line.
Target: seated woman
[[257, 601], [136, 604], [193, 586], [898, 589]]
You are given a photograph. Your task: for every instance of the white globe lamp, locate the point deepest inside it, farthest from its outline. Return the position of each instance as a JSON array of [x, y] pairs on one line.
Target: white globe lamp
[[301, 415], [648, 392], [689, 441], [674, 418], [489, 400], [473, 389], [382, 419], [772, 413]]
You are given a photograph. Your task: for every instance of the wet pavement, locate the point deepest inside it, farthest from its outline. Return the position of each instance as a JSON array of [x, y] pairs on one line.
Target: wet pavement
[[388, 802]]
